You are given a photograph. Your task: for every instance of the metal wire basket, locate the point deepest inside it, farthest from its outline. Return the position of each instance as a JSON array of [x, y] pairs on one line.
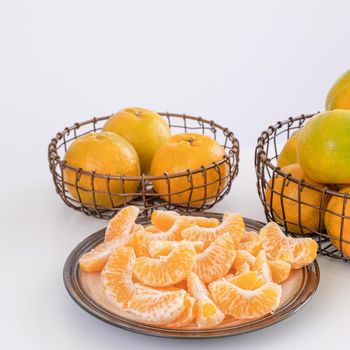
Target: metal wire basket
[[146, 198], [268, 148]]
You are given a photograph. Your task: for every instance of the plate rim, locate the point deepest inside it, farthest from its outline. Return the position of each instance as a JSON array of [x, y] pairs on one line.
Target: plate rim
[[72, 285]]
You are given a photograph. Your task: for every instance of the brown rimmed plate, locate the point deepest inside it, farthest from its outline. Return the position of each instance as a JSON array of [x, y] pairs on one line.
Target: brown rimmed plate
[[86, 291]]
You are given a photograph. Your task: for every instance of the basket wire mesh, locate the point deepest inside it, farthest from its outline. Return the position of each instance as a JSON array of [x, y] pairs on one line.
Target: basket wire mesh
[[145, 196], [268, 148]]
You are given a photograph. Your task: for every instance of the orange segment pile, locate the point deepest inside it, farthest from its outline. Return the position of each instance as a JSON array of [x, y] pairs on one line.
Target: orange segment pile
[[189, 271]]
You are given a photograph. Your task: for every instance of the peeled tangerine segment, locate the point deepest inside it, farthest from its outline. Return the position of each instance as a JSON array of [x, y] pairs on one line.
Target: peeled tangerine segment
[[215, 261], [247, 281], [188, 314], [243, 259], [250, 242], [96, 259], [165, 219], [262, 267], [162, 248], [208, 314], [167, 270], [245, 304], [232, 224], [142, 238], [280, 270], [159, 308], [122, 224], [116, 277], [298, 252]]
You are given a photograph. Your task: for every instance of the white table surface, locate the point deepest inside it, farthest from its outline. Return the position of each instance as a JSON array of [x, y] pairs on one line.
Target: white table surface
[[38, 232]]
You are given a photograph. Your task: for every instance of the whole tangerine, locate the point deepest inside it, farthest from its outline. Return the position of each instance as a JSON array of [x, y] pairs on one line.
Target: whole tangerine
[[103, 153], [187, 152]]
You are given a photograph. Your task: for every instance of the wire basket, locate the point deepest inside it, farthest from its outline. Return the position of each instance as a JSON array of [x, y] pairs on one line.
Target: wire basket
[[272, 180], [145, 197]]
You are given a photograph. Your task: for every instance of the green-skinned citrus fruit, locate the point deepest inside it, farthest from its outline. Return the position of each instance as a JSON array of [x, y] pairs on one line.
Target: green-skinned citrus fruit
[[339, 95], [324, 147]]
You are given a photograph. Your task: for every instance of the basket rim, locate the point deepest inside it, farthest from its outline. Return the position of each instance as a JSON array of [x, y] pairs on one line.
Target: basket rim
[[260, 154], [233, 152]]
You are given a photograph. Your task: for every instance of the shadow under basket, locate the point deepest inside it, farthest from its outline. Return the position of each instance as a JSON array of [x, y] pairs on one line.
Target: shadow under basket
[[208, 184], [274, 191]]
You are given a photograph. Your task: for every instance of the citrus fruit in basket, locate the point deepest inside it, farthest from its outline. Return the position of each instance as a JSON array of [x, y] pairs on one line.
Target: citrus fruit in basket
[[184, 152], [324, 147], [286, 192], [103, 153], [339, 95], [143, 128], [333, 219], [288, 154]]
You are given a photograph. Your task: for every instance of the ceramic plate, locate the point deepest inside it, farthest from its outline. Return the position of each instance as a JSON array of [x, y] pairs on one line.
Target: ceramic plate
[[86, 291]]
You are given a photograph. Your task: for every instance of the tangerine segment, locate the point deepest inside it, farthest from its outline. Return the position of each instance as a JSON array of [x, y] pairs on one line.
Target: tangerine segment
[[250, 242], [215, 261], [187, 315], [96, 259], [136, 227], [116, 277], [298, 252], [243, 262], [143, 237], [162, 248], [122, 223], [245, 304], [165, 219], [167, 270], [233, 224], [262, 267], [280, 270], [153, 229], [246, 281], [208, 314], [157, 307]]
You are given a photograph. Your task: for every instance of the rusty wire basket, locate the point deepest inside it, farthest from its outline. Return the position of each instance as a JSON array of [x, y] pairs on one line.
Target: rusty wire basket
[[275, 194], [145, 197]]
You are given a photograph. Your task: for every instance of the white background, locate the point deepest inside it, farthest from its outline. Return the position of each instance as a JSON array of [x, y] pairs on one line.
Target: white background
[[245, 64]]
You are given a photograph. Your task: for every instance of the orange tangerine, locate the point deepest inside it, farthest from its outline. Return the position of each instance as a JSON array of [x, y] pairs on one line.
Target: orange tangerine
[[246, 281], [96, 259], [167, 270], [262, 267], [153, 229], [250, 242], [215, 261], [162, 248], [116, 277], [232, 223], [142, 238], [165, 219], [122, 224], [208, 314], [187, 315], [280, 270], [244, 303], [243, 262], [157, 307], [298, 252]]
